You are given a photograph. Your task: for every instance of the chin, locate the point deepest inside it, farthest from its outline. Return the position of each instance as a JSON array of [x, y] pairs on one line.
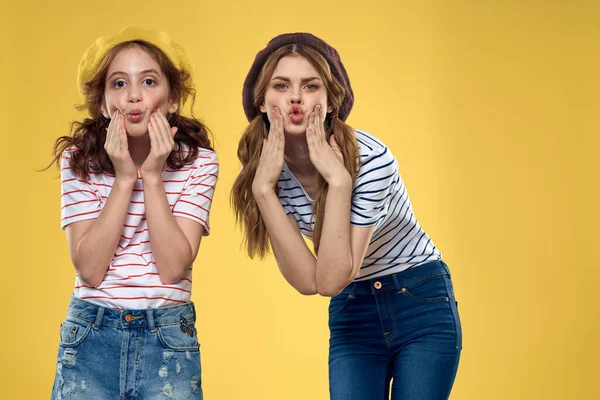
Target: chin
[[294, 129], [136, 131]]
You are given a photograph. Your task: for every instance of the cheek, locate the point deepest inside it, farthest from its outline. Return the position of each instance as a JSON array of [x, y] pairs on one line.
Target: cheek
[[322, 99], [158, 101], [273, 98], [112, 103]]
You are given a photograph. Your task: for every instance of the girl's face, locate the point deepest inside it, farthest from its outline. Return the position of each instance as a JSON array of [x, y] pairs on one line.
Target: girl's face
[[295, 88], [136, 86]]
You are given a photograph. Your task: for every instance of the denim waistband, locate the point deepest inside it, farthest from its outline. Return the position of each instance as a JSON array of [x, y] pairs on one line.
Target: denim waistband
[[398, 280], [131, 319]]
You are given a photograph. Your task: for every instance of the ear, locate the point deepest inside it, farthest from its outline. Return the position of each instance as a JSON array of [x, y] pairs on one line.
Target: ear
[[329, 109], [262, 108], [173, 107], [104, 110]]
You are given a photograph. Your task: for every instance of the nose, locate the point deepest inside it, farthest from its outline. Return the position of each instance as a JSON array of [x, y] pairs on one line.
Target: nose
[[134, 95], [296, 97]]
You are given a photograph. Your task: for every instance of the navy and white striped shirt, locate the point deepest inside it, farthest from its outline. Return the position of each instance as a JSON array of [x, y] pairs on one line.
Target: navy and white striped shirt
[[379, 198]]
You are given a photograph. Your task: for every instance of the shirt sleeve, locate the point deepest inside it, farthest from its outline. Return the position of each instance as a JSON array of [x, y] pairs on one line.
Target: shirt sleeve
[[372, 191], [80, 200], [196, 199]]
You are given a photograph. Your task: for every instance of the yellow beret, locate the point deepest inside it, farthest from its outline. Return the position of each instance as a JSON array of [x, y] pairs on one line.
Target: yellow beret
[[94, 55]]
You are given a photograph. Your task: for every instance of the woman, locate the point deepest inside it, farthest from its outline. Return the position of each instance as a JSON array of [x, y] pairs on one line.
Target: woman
[[392, 312]]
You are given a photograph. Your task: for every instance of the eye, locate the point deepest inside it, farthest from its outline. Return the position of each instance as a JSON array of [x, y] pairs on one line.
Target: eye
[[280, 86], [149, 82], [119, 84], [312, 87]]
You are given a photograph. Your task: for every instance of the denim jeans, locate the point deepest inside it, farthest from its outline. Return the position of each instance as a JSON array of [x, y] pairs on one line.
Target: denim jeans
[[128, 354], [400, 330]]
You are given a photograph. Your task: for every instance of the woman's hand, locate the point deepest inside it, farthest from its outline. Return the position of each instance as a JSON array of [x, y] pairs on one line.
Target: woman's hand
[[271, 157], [326, 157]]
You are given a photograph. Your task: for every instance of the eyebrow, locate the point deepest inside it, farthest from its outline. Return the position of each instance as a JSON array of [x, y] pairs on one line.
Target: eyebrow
[[146, 71], [312, 78]]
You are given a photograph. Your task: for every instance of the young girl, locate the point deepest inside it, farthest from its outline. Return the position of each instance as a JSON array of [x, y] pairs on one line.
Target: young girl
[[137, 183], [392, 312]]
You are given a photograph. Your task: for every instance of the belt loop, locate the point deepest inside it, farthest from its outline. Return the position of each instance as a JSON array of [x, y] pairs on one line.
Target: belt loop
[[445, 267], [150, 316], [396, 282], [193, 309], [99, 317]]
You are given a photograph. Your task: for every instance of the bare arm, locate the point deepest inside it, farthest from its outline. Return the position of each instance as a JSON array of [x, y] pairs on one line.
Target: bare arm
[[342, 248], [174, 241], [92, 243], [335, 262], [294, 259]]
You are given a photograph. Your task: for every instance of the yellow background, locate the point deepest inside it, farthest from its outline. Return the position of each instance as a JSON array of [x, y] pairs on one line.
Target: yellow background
[[491, 108]]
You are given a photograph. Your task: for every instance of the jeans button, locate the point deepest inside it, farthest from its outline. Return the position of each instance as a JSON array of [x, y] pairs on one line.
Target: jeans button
[[377, 285]]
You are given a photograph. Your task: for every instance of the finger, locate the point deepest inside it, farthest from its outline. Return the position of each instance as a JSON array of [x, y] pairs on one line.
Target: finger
[[274, 123], [152, 133], [264, 147], [169, 130], [279, 122], [109, 133], [122, 133], [112, 135], [310, 131], [159, 131], [281, 146], [113, 122], [333, 143], [160, 118], [319, 123]]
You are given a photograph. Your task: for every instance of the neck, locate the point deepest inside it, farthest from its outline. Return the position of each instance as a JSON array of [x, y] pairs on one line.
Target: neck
[[297, 156], [139, 148]]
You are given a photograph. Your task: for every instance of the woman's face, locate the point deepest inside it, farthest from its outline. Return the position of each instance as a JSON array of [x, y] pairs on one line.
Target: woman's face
[[295, 88]]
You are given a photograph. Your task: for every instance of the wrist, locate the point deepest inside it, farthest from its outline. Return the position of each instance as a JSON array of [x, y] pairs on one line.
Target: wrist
[[340, 181], [125, 182], [262, 191], [151, 179]]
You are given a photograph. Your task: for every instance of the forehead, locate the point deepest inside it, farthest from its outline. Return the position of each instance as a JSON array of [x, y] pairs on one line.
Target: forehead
[[133, 59], [295, 67]]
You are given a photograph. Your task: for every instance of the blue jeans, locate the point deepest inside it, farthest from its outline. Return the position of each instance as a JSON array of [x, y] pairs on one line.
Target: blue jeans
[[403, 326], [128, 354]]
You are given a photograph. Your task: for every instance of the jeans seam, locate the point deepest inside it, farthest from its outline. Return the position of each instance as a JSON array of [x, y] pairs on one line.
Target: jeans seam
[[391, 311], [425, 300], [344, 306], [138, 363], [423, 278], [453, 312]]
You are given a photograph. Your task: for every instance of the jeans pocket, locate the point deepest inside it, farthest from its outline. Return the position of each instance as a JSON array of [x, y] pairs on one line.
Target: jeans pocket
[[73, 332], [339, 303], [181, 337], [429, 290]]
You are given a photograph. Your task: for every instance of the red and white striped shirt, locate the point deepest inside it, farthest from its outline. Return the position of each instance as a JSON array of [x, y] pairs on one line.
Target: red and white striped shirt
[[132, 281]]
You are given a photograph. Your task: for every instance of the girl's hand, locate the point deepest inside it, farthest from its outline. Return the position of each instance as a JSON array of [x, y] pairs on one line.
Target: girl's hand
[[161, 145], [117, 148], [271, 157], [326, 157]]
